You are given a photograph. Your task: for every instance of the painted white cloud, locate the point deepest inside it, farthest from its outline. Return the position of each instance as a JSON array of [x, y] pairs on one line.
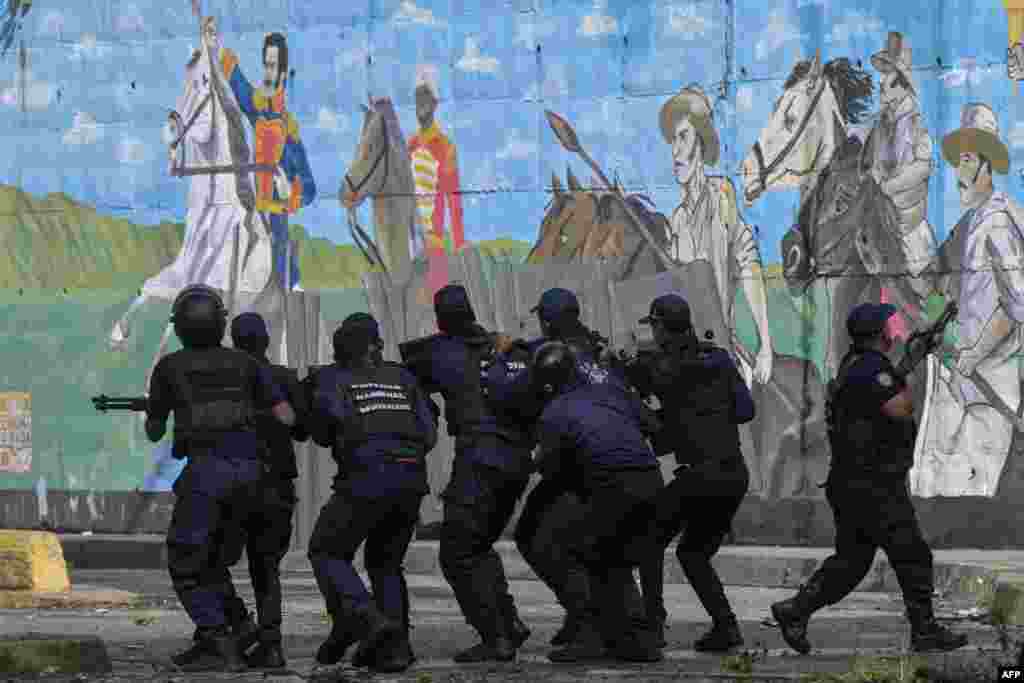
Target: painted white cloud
[[966, 71], [88, 48], [474, 61], [606, 119], [409, 13], [687, 22], [132, 151], [1016, 135], [331, 121], [38, 94], [517, 148], [744, 98], [84, 130], [779, 31], [598, 23], [129, 20], [488, 179], [854, 24], [52, 22], [355, 55], [530, 30]]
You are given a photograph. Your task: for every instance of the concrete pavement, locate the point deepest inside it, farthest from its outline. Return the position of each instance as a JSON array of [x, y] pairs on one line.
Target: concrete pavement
[[140, 640]]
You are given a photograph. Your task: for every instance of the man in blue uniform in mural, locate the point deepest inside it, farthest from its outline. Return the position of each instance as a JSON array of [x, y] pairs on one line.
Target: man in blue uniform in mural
[[276, 133], [378, 424], [214, 393]]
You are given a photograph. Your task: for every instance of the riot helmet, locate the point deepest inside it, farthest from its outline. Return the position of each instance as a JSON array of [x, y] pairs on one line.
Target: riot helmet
[[358, 336], [250, 334], [199, 317], [868, 322], [553, 367]]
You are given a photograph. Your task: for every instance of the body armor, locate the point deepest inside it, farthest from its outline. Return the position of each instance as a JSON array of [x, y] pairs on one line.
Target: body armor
[[214, 392], [863, 439], [383, 401], [697, 405]]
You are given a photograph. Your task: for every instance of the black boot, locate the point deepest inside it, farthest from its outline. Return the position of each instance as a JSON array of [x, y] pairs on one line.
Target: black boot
[[246, 631], [566, 634], [212, 652], [367, 625], [266, 656], [724, 636], [392, 659], [496, 648], [927, 635], [793, 614], [587, 644]]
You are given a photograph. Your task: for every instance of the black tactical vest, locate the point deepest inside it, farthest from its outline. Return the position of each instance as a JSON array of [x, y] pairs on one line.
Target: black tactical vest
[[863, 439], [213, 389], [277, 436], [384, 409], [697, 406]]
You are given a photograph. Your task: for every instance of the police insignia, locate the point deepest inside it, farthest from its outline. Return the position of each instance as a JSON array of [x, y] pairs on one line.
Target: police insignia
[[885, 379]]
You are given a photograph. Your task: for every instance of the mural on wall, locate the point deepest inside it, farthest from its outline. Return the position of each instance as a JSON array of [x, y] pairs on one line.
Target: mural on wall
[[841, 152]]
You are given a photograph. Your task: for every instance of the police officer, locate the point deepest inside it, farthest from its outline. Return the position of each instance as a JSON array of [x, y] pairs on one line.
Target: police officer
[[374, 417], [491, 468], [214, 393], [872, 433], [593, 436], [550, 506], [703, 401], [267, 532]]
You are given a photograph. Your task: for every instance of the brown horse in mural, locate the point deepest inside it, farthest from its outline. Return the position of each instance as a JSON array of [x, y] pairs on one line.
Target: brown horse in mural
[[581, 225]]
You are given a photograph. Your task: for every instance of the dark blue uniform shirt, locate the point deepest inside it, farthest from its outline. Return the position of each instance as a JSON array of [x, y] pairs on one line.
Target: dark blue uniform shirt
[[591, 429], [378, 475], [266, 393]]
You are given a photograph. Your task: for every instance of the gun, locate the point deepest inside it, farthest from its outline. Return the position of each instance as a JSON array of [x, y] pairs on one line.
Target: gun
[[923, 342], [137, 404]]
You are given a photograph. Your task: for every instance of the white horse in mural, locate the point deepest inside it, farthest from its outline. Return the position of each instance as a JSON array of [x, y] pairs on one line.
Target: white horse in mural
[[199, 134], [844, 244]]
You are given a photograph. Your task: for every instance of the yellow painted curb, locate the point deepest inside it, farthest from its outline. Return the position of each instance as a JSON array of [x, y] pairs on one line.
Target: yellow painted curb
[[32, 561]]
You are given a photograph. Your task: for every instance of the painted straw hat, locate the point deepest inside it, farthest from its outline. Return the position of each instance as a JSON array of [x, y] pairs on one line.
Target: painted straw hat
[[694, 104], [978, 133]]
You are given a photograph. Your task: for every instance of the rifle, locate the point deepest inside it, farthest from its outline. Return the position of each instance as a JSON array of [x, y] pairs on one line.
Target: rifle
[[923, 342], [137, 404]]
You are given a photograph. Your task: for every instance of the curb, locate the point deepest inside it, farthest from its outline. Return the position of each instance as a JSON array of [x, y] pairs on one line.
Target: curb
[[753, 566], [39, 653]]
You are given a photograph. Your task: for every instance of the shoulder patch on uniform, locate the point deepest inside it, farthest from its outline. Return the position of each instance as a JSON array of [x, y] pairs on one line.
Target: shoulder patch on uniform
[[885, 379]]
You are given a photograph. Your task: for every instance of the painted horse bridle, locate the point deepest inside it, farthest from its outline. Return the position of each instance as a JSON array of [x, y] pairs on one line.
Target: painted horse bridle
[[383, 156], [763, 171]]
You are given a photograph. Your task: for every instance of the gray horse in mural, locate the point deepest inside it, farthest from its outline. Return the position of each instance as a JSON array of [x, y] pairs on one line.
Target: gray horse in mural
[[381, 170]]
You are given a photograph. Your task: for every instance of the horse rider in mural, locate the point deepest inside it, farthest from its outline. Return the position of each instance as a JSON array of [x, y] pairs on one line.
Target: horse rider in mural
[[276, 132], [436, 173], [707, 225], [976, 402], [898, 156]]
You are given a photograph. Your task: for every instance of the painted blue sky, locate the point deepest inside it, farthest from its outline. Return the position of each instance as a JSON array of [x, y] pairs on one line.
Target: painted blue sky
[[103, 74]]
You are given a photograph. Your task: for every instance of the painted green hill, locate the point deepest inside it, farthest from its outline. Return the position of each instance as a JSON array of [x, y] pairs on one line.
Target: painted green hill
[[55, 242]]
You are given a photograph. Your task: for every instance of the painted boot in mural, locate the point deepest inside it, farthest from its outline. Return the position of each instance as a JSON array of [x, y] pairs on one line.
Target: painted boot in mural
[[927, 635], [724, 636], [793, 614]]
